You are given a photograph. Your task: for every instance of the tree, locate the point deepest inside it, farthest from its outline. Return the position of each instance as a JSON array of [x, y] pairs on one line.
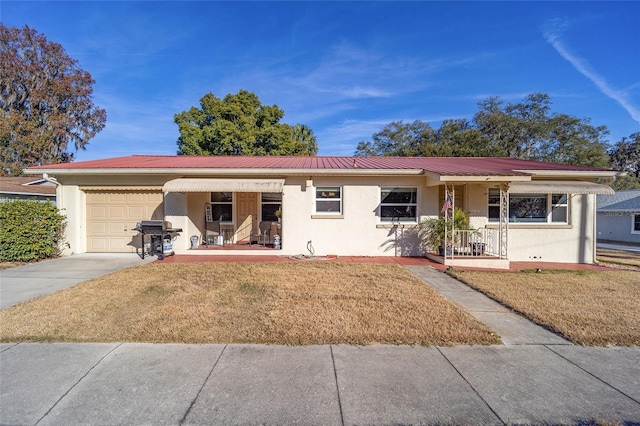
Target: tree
[[514, 130], [304, 139], [399, 139], [525, 130], [528, 130], [459, 138], [625, 156], [46, 104], [573, 140], [240, 125]]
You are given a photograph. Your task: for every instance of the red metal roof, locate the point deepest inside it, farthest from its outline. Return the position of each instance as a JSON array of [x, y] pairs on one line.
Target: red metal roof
[[439, 165]]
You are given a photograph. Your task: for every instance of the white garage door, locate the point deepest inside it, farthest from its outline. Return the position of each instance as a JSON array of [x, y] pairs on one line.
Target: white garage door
[[112, 215]]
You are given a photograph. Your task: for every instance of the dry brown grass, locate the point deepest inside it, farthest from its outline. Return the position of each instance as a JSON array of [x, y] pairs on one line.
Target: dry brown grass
[[276, 303], [587, 307], [7, 265]]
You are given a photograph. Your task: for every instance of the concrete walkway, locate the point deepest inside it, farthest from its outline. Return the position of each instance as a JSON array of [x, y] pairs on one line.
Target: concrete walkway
[[511, 327], [535, 377]]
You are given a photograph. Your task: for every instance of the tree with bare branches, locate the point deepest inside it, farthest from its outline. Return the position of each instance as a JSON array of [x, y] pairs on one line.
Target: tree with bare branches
[[46, 107]]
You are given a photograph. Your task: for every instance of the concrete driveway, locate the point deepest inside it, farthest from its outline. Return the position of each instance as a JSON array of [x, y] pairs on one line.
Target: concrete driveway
[[37, 279], [615, 246]]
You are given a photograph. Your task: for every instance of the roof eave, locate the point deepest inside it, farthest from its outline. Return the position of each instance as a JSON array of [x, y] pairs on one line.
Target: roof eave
[[228, 172], [43, 194], [484, 178], [591, 174]]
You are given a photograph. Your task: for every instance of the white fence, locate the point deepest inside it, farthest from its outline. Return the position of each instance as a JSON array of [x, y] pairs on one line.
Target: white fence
[[481, 242]]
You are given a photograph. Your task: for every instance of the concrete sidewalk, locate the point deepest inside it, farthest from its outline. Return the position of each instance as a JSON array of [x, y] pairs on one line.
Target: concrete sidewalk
[[535, 377], [113, 383], [46, 277]]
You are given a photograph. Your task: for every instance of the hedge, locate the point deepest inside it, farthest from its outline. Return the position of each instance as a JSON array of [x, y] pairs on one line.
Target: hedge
[[30, 231]]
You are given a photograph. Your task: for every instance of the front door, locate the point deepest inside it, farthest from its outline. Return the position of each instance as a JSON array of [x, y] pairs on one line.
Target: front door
[[247, 215]]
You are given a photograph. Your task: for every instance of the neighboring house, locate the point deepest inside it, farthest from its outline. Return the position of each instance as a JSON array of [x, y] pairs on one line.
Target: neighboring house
[[26, 188], [352, 206], [619, 216]]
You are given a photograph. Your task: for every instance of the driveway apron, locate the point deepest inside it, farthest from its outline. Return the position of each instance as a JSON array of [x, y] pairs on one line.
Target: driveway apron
[[37, 279]]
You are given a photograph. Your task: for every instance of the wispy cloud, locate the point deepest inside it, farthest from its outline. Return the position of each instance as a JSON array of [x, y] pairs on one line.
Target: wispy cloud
[[553, 34]]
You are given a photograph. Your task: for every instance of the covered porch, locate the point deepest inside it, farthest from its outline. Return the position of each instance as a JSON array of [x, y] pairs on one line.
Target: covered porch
[[225, 216], [527, 209]]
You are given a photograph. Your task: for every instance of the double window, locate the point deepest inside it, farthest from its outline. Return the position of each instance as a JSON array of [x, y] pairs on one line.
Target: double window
[[221, 207], [530, 208], [398, 204], [271, 206], [329, 200]]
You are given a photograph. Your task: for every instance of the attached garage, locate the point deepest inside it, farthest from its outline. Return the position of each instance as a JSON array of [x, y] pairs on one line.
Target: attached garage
[[112, 217]]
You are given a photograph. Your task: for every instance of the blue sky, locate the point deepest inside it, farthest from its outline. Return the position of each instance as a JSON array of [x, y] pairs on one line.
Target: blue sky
[[345, 69]]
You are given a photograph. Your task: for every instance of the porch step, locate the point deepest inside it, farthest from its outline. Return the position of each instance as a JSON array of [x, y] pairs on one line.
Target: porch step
[[486, 262]]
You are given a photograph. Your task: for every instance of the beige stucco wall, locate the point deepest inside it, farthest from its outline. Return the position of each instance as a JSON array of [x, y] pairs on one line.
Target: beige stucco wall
[[72, 202], [358, 232], [571, 243]]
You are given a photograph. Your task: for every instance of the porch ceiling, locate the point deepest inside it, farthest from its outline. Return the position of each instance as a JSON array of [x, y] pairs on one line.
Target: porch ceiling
[[223, 185], [562, 187]]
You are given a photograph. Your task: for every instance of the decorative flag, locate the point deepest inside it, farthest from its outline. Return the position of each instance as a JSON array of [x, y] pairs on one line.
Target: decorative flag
[[447, 203]]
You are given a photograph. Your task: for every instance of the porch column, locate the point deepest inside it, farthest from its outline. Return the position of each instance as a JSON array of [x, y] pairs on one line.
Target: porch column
[[175, 211], [503, 224]]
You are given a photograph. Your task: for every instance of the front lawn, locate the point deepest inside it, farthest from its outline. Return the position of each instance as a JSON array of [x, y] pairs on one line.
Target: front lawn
[[300, 303], [587, 307]]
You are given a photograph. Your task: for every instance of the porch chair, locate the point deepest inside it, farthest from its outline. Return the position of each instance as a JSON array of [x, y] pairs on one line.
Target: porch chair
[[262, 234], [213, 233]]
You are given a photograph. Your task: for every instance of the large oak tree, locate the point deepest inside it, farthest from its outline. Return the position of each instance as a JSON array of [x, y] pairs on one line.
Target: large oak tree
[[240, 125], [526, 129], [46, 107], [625, 156]]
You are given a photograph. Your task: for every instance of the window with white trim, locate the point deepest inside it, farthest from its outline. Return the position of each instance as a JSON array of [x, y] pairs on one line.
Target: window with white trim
[[222, 206], [398, 204], [270, 204], [530, 208], [636, 224], [329, 200]]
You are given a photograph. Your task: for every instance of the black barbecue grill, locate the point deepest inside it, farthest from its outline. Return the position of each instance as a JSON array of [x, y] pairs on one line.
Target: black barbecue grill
[[158, 232]]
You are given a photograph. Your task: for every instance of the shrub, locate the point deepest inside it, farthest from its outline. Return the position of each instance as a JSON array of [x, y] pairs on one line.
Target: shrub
[[30, 231], [432, 231]]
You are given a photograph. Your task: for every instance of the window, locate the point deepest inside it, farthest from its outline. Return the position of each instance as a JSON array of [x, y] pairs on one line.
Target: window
[[329, 200], [559, 208], [494, 205], [530, 208], [398, 204], [636, 224], [222, 206], [271, 203]]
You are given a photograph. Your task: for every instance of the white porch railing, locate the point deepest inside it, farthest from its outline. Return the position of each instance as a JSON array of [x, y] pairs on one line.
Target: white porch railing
[[481, 242]]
